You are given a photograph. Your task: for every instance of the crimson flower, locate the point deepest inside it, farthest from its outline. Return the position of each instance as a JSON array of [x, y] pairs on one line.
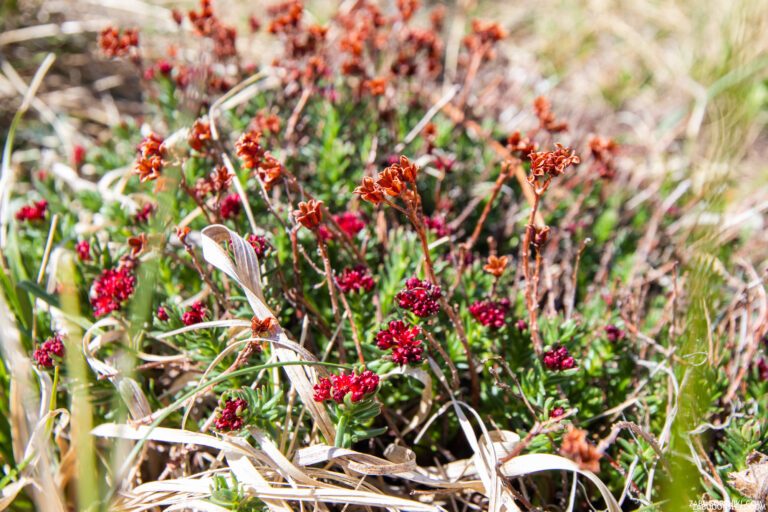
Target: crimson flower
[[491, 313], [162, 314], [32, 212], [337, 387], [420, 297], [355, 279], [231, 415], [613, 333], [111, 289], [230, 206], [49, 352], [558, 359], [350, 223], [259, 243], [83, 249], [556, 412], [403, 340], [195, 314], [142, 216]]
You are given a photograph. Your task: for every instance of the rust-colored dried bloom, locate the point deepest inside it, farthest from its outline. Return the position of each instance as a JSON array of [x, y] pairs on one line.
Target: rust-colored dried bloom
[[576, 447], [369, 191], [539, 235], [496, 265], [114, 44], [270, 170], [547, 120], [548, 164], [376, 86], [484, 33], [521, 146], [407, 8], [390, 181], [261, 327], [309, 214], [150, 162], [249, 149], [181, 233], [408, 170], [137, 244], [200, 136], [603, 150]]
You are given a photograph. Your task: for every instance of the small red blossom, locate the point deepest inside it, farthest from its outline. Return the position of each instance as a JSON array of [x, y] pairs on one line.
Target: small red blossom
[[403, 340], [521, 325], [142, 216], [420, 297], [231, 415], [50, 352], [437, 225], [78, 155], [83, 250], [613, 333], [111, 289], [355, 279], [558, 359], [162, 314], [259, 243], [491, 313], [230, 206], [350, 223], [358, 386], [556, 412], [762, 368], [32, 212], [195, 314]]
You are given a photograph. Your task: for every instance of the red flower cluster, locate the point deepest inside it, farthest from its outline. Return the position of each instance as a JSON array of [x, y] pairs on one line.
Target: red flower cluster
[[207, 24], [142, 216], [83, 250], [32, 212], [113, 44], [403, 340], [420, 297], [558, 359], [230, 206], [150, 162], [49, 352], [231, 416], [355, 279], [200, 135], [350, 223], [195, 314], [111, 289], [556, 412], [392, 181], [614, 334], [338, 386], [762, 368], [491, 313], [259, 243], [437, 225], [162, 314]]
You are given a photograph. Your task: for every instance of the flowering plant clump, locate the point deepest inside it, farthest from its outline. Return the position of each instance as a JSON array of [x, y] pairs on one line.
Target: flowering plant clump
[[491, 313], [111, 289], [50, 352], [559, 359], [364, 241], [354, 387], [420, 297], [403, 340], [357, 279]]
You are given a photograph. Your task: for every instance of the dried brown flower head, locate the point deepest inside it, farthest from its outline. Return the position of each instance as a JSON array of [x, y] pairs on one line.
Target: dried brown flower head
[[309, 214], [200, 135], [576, 447], [521, 146], [547, 121], [150, 162], [496, 265], [137, 244], [369, 191], [391, 181], [261, 327], [603, 151], [549, 164], [376, 86], [249, 149]]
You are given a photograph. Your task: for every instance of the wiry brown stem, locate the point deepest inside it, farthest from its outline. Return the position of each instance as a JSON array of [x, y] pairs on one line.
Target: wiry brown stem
[[355, 333], [530, 299], [331, 291]]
